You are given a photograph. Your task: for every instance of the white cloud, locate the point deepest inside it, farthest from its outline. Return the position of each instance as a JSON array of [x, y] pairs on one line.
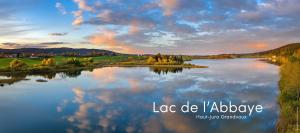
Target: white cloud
[[61, 8]]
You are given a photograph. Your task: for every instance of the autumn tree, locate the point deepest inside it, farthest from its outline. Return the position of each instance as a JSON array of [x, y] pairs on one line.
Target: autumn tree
[[48, 62], [17, 64], [159, 59]]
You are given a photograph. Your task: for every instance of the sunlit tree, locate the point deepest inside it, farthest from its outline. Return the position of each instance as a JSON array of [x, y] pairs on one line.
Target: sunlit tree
[[17, 64], [48, 62]]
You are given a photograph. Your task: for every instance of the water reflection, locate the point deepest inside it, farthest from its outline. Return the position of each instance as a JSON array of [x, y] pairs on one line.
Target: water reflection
[[72, 73], [116, 99], [11, 78], [166, 70], [107, 74]]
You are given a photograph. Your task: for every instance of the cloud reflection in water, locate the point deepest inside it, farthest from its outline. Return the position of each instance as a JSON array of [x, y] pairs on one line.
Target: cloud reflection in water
[[121, 101]]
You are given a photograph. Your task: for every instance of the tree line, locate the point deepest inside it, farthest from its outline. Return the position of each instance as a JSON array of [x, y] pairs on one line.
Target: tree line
[[159, 59]]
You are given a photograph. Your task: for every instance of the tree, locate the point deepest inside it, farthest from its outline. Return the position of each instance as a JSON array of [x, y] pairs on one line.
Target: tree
[[151, 60], [17, 64], [157, 56], [87, 61], [297, 54], [48, 62], [159, 59], [74, 61]]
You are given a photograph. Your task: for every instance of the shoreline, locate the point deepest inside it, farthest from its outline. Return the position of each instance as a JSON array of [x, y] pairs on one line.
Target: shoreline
[[58, 69], [163, 66]]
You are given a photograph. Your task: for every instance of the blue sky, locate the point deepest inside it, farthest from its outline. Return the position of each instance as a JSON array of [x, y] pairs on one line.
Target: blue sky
[[151, 26]]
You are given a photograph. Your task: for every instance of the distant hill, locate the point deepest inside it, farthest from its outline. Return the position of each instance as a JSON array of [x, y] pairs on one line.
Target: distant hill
[[286, 50], [57, 51]]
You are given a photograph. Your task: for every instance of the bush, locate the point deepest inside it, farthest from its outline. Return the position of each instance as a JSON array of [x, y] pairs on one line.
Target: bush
[[74, 61], [151, 60], [87, 61], [17, 64], [297, 54], [48, 62]]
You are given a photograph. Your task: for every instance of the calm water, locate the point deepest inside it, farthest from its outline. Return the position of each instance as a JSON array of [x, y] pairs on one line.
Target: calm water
[[116, 99]]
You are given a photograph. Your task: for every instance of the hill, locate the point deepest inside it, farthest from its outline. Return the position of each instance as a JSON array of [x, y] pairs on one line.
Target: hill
[[286, 51], [55, 51]]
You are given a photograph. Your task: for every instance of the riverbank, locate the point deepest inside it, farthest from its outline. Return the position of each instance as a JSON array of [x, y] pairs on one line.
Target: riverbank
[[65, 69], [164, 66], [34, 66]]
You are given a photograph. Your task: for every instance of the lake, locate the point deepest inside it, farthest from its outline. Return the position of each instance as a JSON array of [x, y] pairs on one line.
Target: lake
[[119, 99]]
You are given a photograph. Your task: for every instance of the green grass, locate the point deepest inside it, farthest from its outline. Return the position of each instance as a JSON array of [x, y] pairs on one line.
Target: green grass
[[110, 58], [34, 64], [289, 99], [4, 62]]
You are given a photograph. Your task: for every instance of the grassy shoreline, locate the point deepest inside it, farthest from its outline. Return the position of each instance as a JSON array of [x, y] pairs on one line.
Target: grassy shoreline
[[64, 69], [104, 61], [146, 65]]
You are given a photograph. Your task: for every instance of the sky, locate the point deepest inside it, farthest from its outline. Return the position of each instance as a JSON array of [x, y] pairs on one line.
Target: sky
[[151, 26]]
